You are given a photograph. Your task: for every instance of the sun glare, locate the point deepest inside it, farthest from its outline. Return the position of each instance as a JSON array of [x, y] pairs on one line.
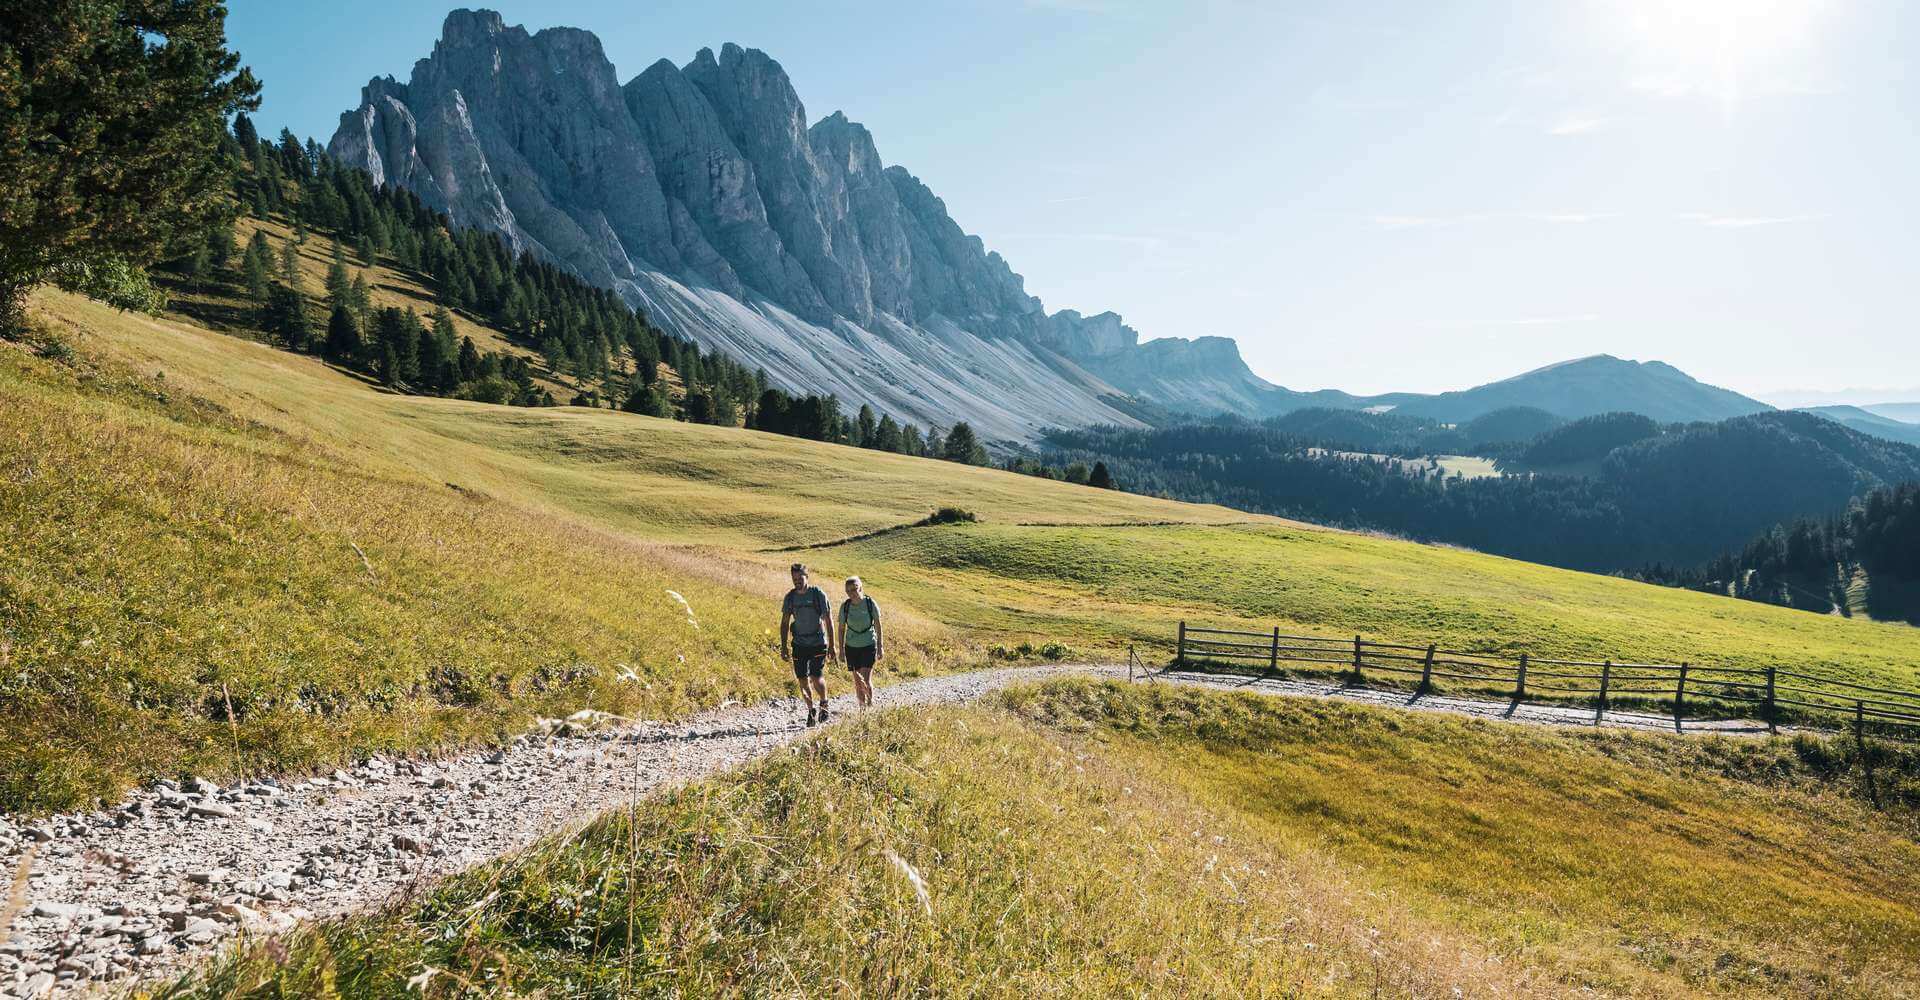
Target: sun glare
[[1715, 49]]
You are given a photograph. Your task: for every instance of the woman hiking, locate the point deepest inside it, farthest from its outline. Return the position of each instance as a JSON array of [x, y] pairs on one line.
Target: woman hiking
[[860, 638]]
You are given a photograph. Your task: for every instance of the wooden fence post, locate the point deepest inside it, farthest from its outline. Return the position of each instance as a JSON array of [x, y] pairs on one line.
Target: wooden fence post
[[1426, 672], [1860, 724], [1680, 697], [1606, 677], [1520, 683], [1180, 656], [1769, 708], [1273, 658], [1357, 677]]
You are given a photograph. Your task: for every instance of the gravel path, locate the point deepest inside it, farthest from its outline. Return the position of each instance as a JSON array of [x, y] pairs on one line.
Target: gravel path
[[1505, 711], [174, 871]]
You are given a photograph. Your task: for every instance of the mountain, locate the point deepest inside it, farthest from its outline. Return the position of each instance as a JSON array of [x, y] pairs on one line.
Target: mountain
[[1868, 422], [1592, 386], [1906, 413], [701, 193]]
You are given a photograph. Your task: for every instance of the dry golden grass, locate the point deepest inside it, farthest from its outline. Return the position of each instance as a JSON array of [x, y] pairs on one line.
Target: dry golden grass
[[1615, 864], [183, 591], [944, 853], [1083, 839]]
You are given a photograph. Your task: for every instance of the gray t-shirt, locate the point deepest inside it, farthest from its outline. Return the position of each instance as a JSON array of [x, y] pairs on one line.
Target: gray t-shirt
[[807, 607]]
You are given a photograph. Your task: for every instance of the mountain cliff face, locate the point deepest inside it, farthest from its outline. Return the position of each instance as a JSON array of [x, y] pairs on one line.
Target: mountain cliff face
[[702, 194]]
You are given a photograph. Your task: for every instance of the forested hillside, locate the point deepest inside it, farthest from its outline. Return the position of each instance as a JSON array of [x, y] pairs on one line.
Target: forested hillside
[[1863, 560], [558, 330], [1676, 495]]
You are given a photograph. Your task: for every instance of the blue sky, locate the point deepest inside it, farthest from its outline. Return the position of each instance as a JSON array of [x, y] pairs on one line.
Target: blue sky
[[1369, 196]]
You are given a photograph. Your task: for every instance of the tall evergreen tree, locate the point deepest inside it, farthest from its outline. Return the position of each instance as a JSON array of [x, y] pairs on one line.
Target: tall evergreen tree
[[339, 283], [246, 134], [961, 446], [343, 345], [287, 316], [112, 117], [256, 267], [469, 362], [220, 244], [1100, 478]]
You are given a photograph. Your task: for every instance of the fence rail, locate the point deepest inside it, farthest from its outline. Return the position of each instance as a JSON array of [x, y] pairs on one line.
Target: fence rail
[[1775, 695]]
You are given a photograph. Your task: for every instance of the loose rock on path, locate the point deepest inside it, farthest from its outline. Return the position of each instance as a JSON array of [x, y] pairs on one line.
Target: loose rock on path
[[175, 870]]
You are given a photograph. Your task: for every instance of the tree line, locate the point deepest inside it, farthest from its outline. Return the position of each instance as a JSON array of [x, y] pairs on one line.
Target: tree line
[[1812, 562], [1680, 497]]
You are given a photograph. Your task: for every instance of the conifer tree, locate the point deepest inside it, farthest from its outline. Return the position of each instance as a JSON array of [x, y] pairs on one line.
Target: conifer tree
[[288, 317], [1100, 478], [469, 360], [257, 266], [290, 265], [339, 284], [220, 244], [962, 447], [887, 435], [112, 116], [343, 345]]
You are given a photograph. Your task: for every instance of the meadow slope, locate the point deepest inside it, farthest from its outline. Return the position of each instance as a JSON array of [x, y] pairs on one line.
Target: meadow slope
[[1088, 839], [190, 511]]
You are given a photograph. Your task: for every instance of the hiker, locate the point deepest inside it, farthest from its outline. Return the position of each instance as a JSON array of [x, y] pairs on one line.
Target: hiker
[[860, 640], [806, 635]]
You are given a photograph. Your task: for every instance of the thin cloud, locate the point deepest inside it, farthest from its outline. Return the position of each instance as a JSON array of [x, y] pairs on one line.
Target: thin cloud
[[1576, 126], [1571, 218], [1423, 221], [1715, 221], [1394, 222]]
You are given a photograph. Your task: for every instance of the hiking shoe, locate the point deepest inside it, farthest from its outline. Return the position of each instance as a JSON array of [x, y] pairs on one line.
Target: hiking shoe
[[812, 717], [823, 713]]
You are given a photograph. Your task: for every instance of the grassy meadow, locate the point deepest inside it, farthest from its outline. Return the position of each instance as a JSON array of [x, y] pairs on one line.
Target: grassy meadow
[[185, 591], [1083, 839], [185, 587]]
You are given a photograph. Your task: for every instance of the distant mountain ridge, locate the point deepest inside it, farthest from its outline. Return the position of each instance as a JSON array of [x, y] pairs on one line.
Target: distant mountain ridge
[[1869, 422], [1591, 386], [704, 197]]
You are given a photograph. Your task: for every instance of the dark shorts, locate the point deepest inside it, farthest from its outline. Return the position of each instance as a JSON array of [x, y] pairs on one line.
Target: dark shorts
[[809, 661], [861, 657]]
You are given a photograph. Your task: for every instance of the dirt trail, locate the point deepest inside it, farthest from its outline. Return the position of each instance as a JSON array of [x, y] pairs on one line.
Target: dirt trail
[[173, 872]]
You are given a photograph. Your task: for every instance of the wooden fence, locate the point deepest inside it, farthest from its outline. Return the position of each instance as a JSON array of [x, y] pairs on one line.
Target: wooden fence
[[1774, 695]]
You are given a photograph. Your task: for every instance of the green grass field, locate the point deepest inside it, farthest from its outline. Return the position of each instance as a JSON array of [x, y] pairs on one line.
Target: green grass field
[[1081, 839], [183, 510]]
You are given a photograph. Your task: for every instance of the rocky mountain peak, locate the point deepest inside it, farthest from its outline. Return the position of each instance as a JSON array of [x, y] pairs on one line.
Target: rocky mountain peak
[[701, 193], [465, 28]]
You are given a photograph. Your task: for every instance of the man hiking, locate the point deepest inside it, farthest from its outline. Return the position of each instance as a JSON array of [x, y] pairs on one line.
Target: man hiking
[[806, 635]]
